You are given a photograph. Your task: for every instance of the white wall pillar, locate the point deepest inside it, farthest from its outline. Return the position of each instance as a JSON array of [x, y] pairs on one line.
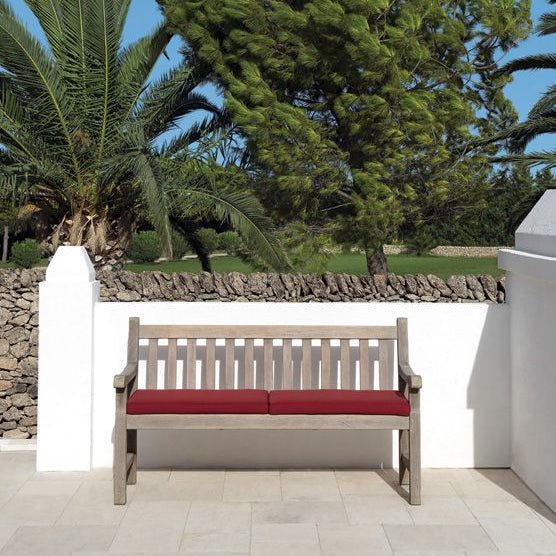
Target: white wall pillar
[[531, 295], [66, 307]]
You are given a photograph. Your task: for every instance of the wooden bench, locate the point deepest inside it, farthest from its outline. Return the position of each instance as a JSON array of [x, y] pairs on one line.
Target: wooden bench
[[158, 406]]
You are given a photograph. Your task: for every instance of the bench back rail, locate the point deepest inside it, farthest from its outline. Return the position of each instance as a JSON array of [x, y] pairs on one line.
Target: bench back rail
[[269, 357]]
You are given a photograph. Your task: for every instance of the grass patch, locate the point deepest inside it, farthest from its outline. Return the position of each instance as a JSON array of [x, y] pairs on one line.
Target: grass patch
[[349, 263], [219, 264], [41, 264]]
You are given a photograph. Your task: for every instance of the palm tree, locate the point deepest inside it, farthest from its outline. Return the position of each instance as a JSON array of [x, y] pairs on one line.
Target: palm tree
[[542, 117], [81, 121]]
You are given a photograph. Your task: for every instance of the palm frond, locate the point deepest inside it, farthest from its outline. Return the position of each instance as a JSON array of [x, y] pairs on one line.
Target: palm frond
[[120, 9], [538, 158], [50, 19], [75, 56], [523, 133], [137, 62], [547, 24], [25, 58], [533, 62], [151, 181], [195, 133], [545, 103], [240, 209], [170, 98], [104, 38]]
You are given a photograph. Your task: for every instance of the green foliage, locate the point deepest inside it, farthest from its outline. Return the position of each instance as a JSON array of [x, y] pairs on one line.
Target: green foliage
[[509, 197], [26, 253], [421, 242], [209, 239], [542, 117], [211, 198], [309, 251], [180, 246], [355, 112], [144, 247], [230, 242]]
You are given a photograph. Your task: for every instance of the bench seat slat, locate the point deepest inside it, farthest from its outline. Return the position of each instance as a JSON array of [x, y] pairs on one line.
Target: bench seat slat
[[275, 422], [271, 332]]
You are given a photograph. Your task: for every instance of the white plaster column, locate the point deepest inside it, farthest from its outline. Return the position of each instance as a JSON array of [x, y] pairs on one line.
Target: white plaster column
[[66, 311], [531, 295]]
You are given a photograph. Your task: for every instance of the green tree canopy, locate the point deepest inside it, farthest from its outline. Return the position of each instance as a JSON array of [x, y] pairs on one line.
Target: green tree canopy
[[81, 121], [359, 108]]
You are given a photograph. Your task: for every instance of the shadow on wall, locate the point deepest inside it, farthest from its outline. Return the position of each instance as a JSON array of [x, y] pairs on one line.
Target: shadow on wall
[[267, 449], [489, 392]]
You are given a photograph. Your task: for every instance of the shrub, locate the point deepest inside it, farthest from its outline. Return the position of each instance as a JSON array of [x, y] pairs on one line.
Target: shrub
[[209, 238], [144, 247], [180, 246], [26, 253], [229, 242]]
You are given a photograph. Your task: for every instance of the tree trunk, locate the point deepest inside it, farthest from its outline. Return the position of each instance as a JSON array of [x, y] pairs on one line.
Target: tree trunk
[[376, 261], [200, 251], [5, 243], [105, 240]]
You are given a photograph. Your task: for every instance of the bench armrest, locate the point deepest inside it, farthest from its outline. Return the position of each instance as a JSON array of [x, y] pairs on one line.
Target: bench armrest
[[126, 376], [414, 382]]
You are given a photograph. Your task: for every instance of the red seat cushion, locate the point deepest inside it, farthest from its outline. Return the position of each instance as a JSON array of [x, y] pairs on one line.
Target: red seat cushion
[[197, 401], [327, 402]]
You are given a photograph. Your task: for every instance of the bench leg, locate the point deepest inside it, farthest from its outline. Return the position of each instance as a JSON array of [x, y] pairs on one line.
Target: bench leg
[[403, 457], [415, 459], [120, 451], [120, 470], [132, 448]]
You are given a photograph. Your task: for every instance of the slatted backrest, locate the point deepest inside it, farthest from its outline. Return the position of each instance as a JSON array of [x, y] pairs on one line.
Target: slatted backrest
[[270, 357]]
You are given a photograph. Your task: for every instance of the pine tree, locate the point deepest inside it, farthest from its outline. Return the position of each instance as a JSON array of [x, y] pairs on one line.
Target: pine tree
[[359, 104]]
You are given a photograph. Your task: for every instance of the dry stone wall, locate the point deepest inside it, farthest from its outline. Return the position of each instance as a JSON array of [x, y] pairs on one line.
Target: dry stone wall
[[234, 286], [450, 250], [19, 320], [19, 311]]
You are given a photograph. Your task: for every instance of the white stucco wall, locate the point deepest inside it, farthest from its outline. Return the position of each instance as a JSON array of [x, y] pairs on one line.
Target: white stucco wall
[[460, 350], [531, 296]]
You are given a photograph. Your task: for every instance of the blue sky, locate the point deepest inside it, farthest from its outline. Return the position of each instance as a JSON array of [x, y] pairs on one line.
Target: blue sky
[[524, 91]]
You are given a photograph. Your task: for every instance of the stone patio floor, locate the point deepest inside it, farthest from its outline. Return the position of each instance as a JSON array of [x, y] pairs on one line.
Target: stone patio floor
[[471, 512]]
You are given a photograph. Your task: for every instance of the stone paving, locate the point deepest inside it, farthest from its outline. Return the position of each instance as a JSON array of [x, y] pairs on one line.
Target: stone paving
[[464, 512]]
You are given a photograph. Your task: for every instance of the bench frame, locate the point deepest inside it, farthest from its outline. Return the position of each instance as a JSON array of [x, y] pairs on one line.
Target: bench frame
[[125, 383]]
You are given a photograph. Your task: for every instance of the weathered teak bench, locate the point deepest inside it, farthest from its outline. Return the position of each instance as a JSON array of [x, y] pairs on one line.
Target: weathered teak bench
[[318, 403]]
